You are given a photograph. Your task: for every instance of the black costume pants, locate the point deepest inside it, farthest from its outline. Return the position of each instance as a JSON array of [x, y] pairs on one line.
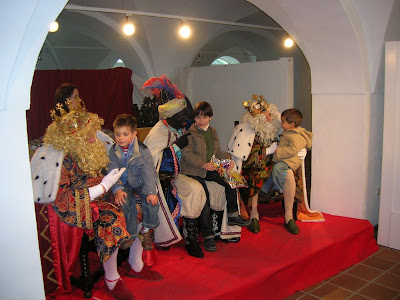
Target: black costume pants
[[230, 194]]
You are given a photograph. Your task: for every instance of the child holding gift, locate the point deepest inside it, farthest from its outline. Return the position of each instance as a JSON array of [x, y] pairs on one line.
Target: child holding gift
[[203, 144]]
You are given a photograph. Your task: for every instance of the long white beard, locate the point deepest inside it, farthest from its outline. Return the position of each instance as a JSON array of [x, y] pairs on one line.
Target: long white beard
[[265, 131]]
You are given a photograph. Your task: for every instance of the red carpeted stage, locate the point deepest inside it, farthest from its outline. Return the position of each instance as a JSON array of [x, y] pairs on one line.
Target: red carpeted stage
[[272, 264]]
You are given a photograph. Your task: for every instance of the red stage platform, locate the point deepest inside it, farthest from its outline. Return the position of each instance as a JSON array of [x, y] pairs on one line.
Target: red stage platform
[[272, 264]]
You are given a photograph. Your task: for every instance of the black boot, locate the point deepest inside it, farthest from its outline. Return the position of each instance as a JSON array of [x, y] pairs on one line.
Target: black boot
[[216, 217], [190, 237]]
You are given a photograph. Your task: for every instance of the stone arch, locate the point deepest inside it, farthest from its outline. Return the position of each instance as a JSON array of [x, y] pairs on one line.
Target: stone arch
[[331, 47]]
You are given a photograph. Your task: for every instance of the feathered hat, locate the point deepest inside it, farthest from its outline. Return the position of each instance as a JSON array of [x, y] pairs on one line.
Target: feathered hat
[[157, 84]]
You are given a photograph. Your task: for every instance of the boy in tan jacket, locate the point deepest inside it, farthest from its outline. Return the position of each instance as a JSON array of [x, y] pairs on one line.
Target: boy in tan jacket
[[293, 139]]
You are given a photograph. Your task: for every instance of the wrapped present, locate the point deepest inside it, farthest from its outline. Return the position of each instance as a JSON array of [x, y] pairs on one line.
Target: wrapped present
[[234, 179]]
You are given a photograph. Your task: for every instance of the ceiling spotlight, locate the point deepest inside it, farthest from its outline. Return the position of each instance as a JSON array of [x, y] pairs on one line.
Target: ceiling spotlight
[[288, 42], [129, 29], [184, 31], [53, 27]]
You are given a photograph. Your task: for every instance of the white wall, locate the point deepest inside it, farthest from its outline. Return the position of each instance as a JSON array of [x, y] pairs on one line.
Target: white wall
[[389, 217], [226, 87], [21, 276], [338, 160]]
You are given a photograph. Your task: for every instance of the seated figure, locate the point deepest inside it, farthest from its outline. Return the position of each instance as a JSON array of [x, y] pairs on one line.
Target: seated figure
[[252, 145], [180, 195], [67, 177]]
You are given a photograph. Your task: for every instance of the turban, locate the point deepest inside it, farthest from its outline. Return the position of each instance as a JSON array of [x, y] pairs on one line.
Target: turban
[[172, 107]]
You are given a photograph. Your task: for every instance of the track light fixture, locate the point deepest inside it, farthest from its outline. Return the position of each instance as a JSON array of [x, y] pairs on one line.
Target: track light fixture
[[53, 27], [184, 31], [128, 29], [288, 42]]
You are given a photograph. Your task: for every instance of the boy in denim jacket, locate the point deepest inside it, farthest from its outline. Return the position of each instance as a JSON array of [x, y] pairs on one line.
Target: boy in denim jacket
[[139, 180]]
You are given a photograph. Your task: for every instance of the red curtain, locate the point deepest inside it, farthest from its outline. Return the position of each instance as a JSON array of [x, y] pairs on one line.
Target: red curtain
[[107, 93]]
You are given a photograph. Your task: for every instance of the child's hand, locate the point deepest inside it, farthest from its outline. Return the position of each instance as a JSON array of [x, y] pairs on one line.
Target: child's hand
[[152, 199], [209, 166], [120, 197], [232, 165]]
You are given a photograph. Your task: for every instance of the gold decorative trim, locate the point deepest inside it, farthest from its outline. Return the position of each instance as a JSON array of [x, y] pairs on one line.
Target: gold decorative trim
[[78, 209]]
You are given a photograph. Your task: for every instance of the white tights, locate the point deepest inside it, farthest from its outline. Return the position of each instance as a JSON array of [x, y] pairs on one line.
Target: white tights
[[289, 190], [134, 259]]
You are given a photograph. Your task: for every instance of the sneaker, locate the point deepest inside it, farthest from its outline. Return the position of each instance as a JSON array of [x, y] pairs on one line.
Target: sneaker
[[209, 245], [147, 239], [239, 221], [126, 245]]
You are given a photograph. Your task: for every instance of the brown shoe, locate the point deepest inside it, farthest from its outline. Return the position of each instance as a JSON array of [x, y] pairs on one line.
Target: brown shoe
[[120, 291], [127, 244], [146, 273], [147, 239]]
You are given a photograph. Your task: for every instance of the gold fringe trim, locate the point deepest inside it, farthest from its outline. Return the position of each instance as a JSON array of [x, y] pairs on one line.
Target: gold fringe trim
[[43, 234], [46, 255], [78, 209], [43, 213], [51, 278], [88, 210]]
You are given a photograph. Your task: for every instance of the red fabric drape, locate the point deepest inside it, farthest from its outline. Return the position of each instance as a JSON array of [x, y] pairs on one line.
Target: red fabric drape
[[59, 246], [107, 93]]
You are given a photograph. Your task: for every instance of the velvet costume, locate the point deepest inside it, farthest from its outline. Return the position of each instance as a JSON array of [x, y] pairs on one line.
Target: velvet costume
[[62, 222], [251, 160], [159, 141], [256, 170], [74, 207]]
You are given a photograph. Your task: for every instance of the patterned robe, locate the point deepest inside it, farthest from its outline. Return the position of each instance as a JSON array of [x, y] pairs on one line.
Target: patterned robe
[[73, 206], [256, 170]]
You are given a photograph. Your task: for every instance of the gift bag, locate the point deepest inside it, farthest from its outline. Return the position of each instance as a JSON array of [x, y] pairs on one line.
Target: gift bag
[[234, 179]]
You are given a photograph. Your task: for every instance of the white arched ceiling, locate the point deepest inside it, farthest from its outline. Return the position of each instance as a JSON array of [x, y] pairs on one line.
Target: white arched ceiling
[[317, 32], [138, 50], [80, 28], [370, 23], [263, 45], [352, 28]]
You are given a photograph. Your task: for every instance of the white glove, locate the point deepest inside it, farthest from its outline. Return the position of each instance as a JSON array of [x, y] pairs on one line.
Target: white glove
[[108, 181], [302, 154], [111, 178], [271, 149]]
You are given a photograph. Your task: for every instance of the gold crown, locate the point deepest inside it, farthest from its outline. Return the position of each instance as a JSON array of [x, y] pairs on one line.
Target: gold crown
[[256, 105], [70, 122]]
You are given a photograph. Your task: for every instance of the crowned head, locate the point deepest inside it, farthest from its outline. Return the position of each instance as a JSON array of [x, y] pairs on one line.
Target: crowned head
[[75, 119], [256, 105]]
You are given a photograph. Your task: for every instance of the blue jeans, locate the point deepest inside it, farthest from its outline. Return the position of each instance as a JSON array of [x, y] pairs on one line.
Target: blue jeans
[[277, 178], [150, 212]]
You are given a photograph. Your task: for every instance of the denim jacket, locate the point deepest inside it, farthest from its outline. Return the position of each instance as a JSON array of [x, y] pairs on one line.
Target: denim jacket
[[140, 171]]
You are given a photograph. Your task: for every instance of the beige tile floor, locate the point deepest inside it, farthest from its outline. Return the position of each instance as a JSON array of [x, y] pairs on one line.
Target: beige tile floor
[[377, 278]]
